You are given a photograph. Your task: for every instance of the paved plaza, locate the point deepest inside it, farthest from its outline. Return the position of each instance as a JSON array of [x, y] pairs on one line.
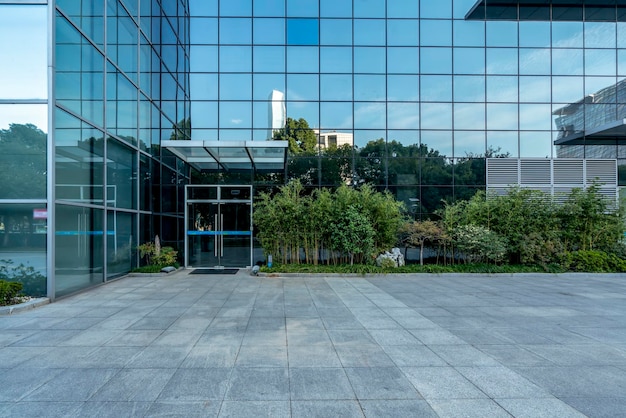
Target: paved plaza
[[381, 346]]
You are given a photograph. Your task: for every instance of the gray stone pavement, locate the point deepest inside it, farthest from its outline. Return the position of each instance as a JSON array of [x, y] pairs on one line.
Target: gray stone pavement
[[382, 346]]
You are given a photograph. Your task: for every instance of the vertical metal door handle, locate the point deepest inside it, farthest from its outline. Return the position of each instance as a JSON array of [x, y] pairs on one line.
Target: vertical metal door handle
[[215, 237], [222, 235]]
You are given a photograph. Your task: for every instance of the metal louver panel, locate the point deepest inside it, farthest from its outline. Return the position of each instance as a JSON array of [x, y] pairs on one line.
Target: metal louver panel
[[502, 171], [569, 172], [602, 171], [536, 172]]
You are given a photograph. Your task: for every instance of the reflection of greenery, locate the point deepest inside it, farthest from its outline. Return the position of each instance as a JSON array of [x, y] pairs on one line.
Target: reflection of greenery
[[23, 162], [301, 137], [181, 130], [34, 283]]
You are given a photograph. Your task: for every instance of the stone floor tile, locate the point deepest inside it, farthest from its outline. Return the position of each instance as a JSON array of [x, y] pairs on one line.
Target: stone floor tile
[[326, 408], [319, 384]]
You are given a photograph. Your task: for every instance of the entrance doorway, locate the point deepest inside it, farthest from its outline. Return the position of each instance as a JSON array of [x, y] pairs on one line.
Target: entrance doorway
[[218, 223]]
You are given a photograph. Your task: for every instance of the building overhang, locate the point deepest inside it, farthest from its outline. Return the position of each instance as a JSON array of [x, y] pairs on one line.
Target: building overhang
[[607, 134], [546, 10], [230, 155]]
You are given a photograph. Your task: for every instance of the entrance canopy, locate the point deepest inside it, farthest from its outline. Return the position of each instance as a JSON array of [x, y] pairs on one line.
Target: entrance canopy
[[230, 155]]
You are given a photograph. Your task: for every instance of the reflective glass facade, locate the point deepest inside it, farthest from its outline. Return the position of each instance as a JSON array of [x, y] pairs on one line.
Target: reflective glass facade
[[410, 96], [420, 92], [89, 90]]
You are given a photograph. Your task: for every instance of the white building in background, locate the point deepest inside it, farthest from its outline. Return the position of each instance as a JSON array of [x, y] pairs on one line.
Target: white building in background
[[333, 138], [277, 113]]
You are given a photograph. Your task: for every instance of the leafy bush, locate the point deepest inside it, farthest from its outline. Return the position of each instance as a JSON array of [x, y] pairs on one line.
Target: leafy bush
[[155, 255], [9, 291], [594, 261], [352, 234], [479, 244]]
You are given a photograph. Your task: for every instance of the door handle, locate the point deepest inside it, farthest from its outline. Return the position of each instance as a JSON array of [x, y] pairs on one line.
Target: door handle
[[215, 240], [222, 235]]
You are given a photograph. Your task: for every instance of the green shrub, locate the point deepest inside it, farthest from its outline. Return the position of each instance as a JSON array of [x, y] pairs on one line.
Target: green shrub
[[155, 255], [9, 291], [594, 261]]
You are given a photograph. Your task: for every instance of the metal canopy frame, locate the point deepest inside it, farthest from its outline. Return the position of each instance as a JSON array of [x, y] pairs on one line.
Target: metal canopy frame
[[230, 155]]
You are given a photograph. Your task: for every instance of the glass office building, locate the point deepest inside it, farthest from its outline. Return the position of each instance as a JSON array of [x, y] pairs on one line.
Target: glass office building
[[125, 119]]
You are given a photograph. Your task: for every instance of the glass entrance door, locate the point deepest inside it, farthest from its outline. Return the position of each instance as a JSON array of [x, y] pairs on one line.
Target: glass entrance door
[[219, 233]]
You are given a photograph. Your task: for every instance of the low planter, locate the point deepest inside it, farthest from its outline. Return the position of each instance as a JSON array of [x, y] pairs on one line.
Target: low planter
[[32, 303]]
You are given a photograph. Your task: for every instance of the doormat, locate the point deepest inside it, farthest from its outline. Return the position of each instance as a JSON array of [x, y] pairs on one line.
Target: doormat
[[214, 271]]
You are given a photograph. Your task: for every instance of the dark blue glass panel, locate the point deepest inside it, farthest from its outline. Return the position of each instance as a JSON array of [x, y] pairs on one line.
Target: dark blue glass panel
[[302, 31]]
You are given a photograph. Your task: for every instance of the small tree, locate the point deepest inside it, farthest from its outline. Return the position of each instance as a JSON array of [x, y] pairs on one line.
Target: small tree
[[479, 244], [416, 234], [351, 234]]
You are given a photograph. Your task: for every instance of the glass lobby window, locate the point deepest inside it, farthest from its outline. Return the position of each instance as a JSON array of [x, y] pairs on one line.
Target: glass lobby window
[[79, 248], [203, 115], [23, 144], [302, 8], [235, 7], [80, 159], [121, 242], [535, 144], [87, 15], [502, 89], [269, 31], [506, 142], [302, 31], [23, 230], [310, 111], [121, 176], [403, 32], [23, 51]]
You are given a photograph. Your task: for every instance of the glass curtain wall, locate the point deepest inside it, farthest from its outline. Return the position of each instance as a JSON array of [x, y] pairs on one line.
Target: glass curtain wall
[[120, 88], [23, 142], [410, 96]]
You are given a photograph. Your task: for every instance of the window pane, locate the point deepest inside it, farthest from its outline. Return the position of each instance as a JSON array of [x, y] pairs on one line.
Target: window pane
[[302, 32], [23, 51], [23, 144], [336, 32], [369, 32], [269, 31]]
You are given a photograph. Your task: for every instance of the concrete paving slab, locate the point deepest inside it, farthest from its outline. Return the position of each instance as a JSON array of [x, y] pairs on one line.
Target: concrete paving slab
[[398, 345]]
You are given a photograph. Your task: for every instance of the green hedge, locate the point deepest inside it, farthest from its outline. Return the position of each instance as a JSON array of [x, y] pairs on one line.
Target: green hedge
[[9, 291]]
